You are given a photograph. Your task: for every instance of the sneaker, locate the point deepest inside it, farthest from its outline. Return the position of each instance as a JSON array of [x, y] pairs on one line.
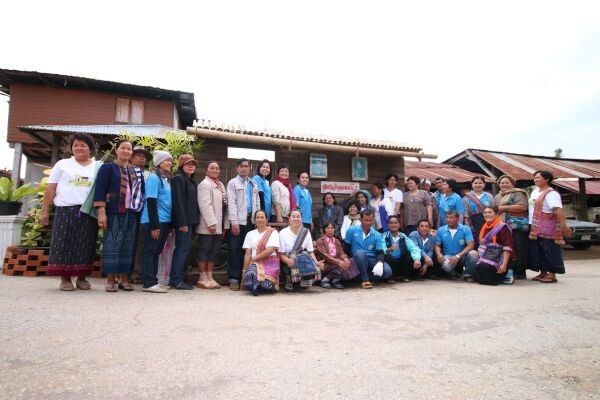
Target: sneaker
[[509, 278], [336, 284], [469, 278], [155, 289], [182, 286], [166, 287], [289, 287], [325, 283], [234, 285]]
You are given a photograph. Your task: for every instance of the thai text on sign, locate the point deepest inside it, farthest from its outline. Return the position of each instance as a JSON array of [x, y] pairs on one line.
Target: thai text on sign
[[339, 187]]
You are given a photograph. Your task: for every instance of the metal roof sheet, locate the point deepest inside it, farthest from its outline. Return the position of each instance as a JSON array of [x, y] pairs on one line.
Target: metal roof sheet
[[138, 130], [430, 170], [591, 187], [522, 166], [307, 137]]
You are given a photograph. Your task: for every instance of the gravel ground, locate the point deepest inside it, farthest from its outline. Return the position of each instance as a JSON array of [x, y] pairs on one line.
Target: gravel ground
[[421, 340]]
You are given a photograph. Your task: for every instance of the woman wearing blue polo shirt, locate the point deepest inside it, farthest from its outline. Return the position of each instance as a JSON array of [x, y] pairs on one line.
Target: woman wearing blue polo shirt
[[156, 218], [449, 200], [262, 180], [304, 199]]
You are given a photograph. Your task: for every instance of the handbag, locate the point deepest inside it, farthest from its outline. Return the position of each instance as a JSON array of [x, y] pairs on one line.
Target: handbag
[[88, 205], [491, 253], [304, 266]]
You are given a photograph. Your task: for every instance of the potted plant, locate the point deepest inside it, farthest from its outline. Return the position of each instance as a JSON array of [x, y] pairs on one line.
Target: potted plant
[[10, 197]]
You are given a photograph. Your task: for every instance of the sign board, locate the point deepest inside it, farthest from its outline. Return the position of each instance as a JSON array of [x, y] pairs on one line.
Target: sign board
[[339, 187]]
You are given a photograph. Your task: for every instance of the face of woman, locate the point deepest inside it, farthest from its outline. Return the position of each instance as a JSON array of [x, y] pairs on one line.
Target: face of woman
[[80, 150], [505, 184], [446, 188], [189, 168], [411, 185], [362, 199], [391, 183], [329, 200], [303, 179], [539, 180], [352, 210], [478, 185], [489, 215], [376, 191], [265, 169], [260, 220], [426, 187], [295, 218], [166, 165], [329, 231], [213, 170], [394, 225], [284, 173], [124, 151]]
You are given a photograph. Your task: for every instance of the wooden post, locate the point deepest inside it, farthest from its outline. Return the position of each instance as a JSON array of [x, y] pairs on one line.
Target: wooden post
[[16, 171], [582, 211]]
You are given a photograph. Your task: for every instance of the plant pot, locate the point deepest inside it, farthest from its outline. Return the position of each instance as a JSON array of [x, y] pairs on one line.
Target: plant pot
[[10, 207]]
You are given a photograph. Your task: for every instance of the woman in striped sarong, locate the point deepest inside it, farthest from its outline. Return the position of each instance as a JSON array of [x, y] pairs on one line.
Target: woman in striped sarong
[[261, 261]]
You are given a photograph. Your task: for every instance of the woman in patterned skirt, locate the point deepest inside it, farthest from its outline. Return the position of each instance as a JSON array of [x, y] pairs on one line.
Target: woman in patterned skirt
[[119, 197], [261, 261], [74, 234]]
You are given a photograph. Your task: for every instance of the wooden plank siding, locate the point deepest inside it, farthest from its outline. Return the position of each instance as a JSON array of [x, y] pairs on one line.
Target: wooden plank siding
[[43, 105], [338, 166]]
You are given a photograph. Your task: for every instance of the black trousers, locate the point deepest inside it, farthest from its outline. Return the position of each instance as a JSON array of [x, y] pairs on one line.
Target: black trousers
[[401, 267]]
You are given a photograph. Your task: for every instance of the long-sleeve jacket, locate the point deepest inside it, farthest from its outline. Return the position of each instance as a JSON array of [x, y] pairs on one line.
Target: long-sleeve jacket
[[427, 248], [212, 211], [108, 186], [337, 218], [323, 251], [404, 243], [184, 192], [237, 204]]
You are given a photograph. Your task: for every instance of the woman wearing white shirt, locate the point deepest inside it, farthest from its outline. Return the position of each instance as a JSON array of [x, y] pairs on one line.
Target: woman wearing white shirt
[[548, 229], [74, 234], [394, 195], [261, 261], [350, 219], [299, 263]]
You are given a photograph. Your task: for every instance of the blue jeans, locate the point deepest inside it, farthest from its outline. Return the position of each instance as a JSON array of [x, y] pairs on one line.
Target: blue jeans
[[235, 253], [151, 251], [183, 242], [365, 265], [467, 263]]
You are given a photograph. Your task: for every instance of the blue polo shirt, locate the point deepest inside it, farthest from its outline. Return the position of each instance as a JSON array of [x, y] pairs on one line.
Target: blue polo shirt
[[162, 194], [304, 203], [370, 244], [450, 203], [453, 245]]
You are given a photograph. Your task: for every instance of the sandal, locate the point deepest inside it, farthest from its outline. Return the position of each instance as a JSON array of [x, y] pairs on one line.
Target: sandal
[[548, 279], [214, 284], [204, 285], [82, 284], [366, 285], [539, 277], [126, 286], [111, 287], [67, 286]]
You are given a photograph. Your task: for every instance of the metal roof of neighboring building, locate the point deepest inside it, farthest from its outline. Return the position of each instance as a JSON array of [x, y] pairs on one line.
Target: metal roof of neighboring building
[[184, 101], [431, 170], [522, 166], [591, 187], [138, 130]]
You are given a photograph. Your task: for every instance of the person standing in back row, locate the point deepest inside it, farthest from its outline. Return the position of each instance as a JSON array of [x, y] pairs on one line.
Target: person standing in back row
[[242, 202]]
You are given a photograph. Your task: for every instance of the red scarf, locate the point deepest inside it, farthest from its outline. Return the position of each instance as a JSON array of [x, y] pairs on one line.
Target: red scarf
[[487, 227], [286, 183]]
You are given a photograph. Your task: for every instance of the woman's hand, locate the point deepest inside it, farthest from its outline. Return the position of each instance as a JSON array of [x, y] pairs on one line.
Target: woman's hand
[[155, 233], [102, 220], [212, 229], [567, 232], [502, 268], [44, 219], [183, 229]]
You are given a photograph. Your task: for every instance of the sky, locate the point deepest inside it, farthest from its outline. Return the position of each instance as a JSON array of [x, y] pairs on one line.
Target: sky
[[516, 76]]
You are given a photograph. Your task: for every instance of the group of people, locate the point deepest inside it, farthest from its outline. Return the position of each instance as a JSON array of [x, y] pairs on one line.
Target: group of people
[[384, 234]]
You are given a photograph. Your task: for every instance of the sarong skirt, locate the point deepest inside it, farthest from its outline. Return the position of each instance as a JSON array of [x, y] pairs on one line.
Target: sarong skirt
[[118, 250]]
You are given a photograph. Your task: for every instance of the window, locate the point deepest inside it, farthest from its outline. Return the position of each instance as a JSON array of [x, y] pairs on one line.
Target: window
[[250, 154], [129, 111]]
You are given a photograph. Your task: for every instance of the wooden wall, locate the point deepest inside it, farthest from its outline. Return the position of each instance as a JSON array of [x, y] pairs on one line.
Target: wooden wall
[[338, 166]]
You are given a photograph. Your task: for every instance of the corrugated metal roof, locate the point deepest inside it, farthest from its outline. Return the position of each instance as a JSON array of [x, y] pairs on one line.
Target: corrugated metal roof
[[591, 187], [307, 137], [522, 166], [431, 170], [138, 130]]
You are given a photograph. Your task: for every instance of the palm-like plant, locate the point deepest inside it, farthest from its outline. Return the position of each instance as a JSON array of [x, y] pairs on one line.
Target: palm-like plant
[[9, 193]]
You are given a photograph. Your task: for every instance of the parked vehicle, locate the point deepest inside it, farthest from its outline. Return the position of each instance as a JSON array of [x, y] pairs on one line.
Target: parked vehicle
[[585, 234]]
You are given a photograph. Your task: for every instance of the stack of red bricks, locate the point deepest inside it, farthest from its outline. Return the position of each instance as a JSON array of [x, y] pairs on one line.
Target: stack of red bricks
[[24, 261]]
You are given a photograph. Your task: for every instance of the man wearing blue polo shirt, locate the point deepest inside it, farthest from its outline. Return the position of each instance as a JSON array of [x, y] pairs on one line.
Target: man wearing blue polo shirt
[[367, 250], [453, 248]]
